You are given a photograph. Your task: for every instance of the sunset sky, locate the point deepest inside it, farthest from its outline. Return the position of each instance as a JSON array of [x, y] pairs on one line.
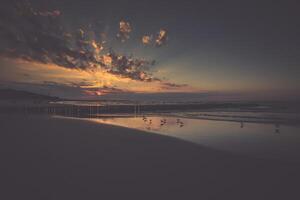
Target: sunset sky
[[85, 49]]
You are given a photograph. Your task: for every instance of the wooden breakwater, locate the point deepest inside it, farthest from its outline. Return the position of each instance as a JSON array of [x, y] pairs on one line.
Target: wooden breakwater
[[134, 109]]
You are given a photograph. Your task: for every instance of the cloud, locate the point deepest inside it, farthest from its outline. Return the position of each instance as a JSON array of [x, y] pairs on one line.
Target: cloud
[[124, 31], [161, 39], [62, 90], [174, 85], [136, 69], [147, 40], [103, 91], [82, 89], [40, 36], [167, 85], [54, 13]]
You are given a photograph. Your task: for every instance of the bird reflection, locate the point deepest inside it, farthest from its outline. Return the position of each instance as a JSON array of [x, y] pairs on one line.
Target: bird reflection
[[156, 124], [163, 122], [144, 118], [180, 123], [242, 125], [277, 126]]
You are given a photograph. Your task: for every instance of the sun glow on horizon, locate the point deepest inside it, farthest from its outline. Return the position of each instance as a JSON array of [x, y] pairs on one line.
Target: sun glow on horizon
[[94, 82]]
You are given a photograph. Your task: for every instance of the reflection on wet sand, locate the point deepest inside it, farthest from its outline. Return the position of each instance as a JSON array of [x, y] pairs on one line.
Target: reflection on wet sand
[[152, 124], [257, 139], [242, 124], [277, 126]]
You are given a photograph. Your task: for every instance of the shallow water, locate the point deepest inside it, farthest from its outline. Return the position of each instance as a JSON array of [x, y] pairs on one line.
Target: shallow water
[[273, 141]]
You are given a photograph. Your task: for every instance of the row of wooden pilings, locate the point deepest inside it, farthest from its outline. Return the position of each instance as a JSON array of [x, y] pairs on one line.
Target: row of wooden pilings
[[75, 110]]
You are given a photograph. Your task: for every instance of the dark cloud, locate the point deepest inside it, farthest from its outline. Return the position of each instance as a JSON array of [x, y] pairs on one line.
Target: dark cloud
[[82, 89], [54, 13], [136, 69], [167, 85], [40, 36], [103, 91], [63, 90], [46, 88], [82, 84]]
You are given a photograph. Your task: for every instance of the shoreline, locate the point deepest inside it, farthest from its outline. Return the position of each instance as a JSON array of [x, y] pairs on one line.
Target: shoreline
[[254, 112], [121, 115]]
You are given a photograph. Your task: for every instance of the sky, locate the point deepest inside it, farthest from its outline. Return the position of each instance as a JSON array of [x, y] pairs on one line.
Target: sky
[[86, 49]]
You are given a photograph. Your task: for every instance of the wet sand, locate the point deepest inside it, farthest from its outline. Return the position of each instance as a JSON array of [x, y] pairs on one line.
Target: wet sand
[[53, 158]]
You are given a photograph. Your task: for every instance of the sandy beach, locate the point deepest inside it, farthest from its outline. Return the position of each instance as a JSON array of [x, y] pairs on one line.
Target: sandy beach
[[59, 159]]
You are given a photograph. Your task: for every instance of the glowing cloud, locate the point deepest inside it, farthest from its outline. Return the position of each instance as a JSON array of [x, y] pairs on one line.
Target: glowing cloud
[[124, 31], [147, 40], [162, 38]]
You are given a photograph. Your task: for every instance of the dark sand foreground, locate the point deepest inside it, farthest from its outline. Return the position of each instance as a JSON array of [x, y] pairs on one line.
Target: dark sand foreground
[[61, 159]]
